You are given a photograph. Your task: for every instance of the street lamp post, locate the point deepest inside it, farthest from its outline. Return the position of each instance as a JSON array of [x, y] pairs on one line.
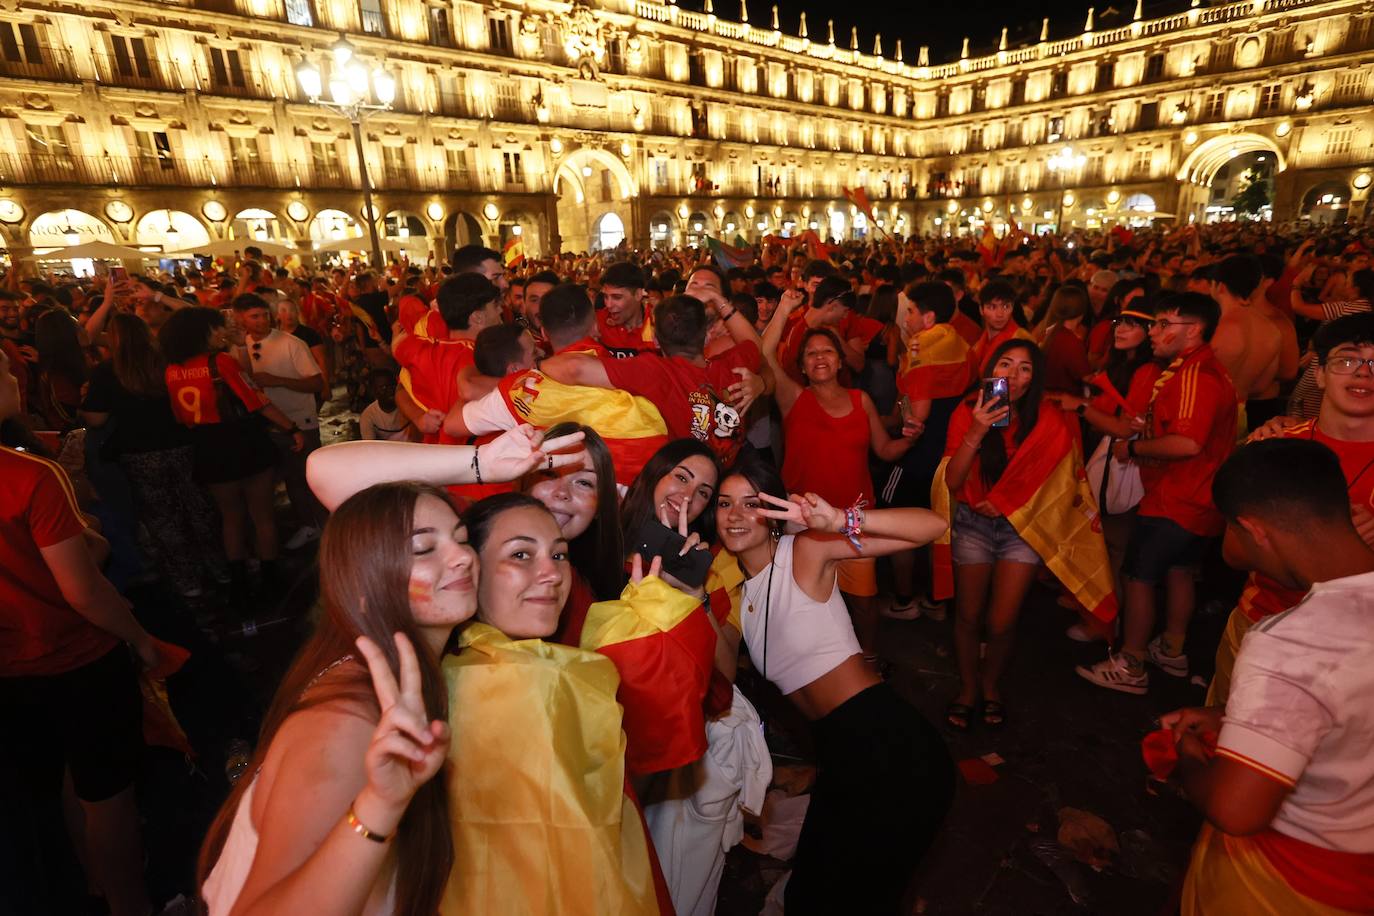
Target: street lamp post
[[1062, 162], [349, 85]]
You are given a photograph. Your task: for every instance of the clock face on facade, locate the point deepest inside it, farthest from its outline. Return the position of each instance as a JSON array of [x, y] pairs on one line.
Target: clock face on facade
[[214, 211], [10, 211], [297, 211], [119, 211]]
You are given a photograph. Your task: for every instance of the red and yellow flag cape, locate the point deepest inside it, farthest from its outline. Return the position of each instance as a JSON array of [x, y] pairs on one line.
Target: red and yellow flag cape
[[1044, 493], [632, 426], [939, 366], [664, 648], [541, 820]]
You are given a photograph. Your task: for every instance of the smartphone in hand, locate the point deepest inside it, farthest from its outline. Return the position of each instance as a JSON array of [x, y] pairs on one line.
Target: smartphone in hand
[[997, 394], [654, 539]]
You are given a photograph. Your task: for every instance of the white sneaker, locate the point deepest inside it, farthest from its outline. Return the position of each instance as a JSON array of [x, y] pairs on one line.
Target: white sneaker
[[304, 535], [907, 610], [1116, 674], [1176, 665]]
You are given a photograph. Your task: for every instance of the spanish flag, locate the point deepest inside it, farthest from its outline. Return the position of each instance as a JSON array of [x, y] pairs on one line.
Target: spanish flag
[[859, 198], [632, 426], [514, 252], [539, 807], [664, 648], [936, 366], [728, 256], [1044, 493]]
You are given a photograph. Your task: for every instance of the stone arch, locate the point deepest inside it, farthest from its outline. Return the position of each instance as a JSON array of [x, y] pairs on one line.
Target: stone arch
[[462, 228], [256, 224], [67, 227], [1201, 165], [170, 230], [572, 164]]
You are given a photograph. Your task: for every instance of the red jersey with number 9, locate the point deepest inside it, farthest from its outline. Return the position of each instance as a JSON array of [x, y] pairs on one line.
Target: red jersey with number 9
[[192, 390]]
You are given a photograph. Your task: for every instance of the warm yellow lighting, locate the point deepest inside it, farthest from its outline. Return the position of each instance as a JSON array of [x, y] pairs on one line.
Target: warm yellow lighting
[[556, 146], [987, 205], [1190, 138], [434, 210], [1069, 199], [490, 211], [953, 206], [683, 212], [1283, 129], [212, 210], [1362, 181], [1113, 196]]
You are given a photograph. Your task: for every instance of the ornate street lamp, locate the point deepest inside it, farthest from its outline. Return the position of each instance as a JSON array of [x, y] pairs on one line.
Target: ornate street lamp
[[352, 91]]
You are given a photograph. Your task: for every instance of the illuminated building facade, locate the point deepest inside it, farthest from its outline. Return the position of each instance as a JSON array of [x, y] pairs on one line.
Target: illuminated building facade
[[167, 125]]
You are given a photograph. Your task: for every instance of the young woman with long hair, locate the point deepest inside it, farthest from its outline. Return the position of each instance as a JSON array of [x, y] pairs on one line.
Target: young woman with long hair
[[155, 453], [885, 779], [63, 367], [1119, 298], [1062, 333], [680, 477], [994, 568], [234, 457], [340, 765], [537, 746]]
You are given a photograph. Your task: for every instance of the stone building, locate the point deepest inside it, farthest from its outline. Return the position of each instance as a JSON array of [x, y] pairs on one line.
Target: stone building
[[169, 125]]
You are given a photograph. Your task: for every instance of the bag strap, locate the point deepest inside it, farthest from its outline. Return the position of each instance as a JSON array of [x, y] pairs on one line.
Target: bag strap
[[1106, 476]]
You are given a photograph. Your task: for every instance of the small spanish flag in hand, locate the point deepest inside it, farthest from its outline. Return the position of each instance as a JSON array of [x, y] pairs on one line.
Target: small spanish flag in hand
[[514, 252]]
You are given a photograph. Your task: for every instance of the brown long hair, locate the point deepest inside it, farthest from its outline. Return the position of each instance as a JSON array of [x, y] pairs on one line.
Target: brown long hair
[[136, 361], [365, 565]]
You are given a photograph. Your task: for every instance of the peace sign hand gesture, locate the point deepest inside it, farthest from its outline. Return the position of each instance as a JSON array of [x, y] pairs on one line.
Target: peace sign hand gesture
[[809, 510], [518, 451], [407, 749]]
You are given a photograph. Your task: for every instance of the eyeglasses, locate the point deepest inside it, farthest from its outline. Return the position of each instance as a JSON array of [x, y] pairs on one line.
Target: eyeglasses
[[1163, 323], [1348, 365]]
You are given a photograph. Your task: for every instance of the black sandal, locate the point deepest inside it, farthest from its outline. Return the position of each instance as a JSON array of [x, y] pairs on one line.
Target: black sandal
[[994, 714], [958, 716]]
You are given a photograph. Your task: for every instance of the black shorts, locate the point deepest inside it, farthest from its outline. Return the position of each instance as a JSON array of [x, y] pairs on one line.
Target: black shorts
[[907, 481], [1158, 545], [89, 720], [237, 450]]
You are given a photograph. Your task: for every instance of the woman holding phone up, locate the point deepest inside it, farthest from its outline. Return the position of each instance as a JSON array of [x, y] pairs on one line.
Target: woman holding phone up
[[994, 566]]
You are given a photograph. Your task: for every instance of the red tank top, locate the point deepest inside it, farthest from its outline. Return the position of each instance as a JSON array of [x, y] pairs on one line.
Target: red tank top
[[827, 455]]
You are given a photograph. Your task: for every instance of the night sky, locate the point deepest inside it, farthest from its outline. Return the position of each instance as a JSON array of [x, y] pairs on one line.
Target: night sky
[[941, 24]]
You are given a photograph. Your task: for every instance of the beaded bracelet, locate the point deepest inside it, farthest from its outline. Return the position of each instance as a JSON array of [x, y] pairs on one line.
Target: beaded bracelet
[[854, 524], [362, 831]]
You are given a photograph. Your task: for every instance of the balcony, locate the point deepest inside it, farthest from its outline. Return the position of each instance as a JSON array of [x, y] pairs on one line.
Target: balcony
[[49, 64], [137, 72]]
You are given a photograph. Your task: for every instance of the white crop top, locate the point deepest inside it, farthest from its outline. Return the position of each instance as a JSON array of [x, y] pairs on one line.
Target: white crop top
[[805, 638]]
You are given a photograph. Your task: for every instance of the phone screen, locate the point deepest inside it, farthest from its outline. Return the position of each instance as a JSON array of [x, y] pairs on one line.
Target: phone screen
[[995, 390], [119, 274]]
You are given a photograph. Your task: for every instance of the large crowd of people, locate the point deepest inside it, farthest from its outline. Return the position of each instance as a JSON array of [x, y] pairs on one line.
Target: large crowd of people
[[547, 567]]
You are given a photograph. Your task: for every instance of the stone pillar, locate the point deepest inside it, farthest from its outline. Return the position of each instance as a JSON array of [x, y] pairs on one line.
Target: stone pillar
[[553, 240]]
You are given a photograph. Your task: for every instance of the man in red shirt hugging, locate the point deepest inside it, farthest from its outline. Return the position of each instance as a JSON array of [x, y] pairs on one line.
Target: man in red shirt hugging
[[690, 392], [468, 303]]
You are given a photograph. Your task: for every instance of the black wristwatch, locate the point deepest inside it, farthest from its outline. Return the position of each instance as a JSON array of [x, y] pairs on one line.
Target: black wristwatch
[[1130, 448]]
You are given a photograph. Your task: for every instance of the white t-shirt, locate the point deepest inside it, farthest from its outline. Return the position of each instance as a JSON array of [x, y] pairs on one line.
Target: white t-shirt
[[375, 423], [1301, 711], [286, 355]]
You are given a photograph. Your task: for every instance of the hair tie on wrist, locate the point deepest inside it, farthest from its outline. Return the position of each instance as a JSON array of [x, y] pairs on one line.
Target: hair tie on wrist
[[476, 465]]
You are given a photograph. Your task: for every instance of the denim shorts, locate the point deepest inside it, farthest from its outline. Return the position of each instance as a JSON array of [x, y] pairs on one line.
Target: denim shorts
[[1158, 545], [978, 539]]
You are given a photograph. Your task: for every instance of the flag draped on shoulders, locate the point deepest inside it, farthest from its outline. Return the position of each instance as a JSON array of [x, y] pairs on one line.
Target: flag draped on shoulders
[[541, 820], [936, 366], [632, 426], [664, 648], [1044, 493]]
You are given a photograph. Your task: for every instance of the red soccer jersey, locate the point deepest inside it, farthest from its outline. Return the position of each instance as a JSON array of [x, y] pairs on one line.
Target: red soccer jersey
[[690, 397], [410, 309], [40, 634], [429, 371], [1193, 397], [622, 341], [1066, 361], [1263, 596], [194, 400]]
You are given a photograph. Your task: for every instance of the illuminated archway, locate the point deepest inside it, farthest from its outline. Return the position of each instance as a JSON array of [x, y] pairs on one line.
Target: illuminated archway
[[170, 230], [1202, 163]]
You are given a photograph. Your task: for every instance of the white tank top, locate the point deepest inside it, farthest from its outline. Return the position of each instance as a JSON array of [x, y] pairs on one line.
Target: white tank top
[[804, 638]]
